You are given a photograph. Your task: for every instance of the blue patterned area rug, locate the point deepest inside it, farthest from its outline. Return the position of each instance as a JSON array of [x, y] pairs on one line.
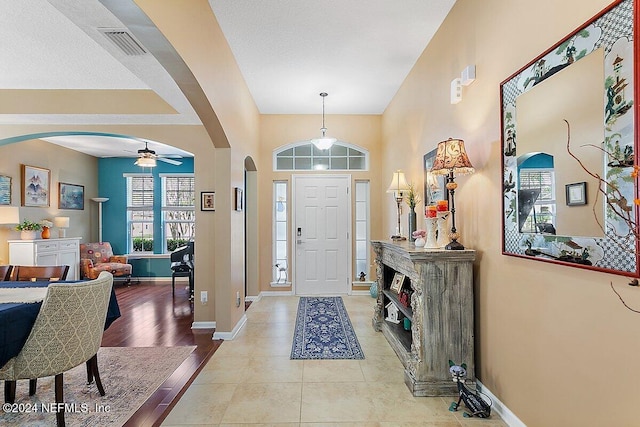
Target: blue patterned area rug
[[324, 331]]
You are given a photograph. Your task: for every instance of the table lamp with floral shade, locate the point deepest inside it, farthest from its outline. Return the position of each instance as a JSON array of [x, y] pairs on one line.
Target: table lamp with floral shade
[[451, 160]]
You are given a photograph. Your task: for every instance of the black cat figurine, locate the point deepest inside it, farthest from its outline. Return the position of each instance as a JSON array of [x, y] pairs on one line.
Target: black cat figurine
[[476, 405]]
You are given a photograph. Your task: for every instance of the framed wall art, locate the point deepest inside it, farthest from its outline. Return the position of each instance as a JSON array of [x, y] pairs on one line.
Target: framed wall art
[[5, 190], [208, 201], [434, 185], [70, 196], [576, 194], [396, 284], [35, 186]]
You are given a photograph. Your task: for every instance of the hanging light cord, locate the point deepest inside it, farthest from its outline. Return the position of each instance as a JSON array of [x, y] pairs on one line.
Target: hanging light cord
[[323, 129]]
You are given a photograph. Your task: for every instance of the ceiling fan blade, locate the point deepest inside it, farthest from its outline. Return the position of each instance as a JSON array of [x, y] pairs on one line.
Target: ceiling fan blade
[[170, 161]]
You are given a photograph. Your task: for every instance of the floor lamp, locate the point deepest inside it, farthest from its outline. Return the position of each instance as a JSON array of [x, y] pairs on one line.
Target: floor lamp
[[451, 159], [398, 187], [100, 201]]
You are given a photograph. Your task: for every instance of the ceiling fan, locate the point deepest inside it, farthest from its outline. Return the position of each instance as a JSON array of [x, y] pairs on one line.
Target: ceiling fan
[[147, 158]]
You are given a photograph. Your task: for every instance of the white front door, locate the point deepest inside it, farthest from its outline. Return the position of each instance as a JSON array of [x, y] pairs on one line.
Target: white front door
[[322, 218]]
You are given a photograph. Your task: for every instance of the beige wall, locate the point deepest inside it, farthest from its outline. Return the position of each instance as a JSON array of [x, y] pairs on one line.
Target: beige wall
[[77, 168], [195, 34], [279, 130], [551, 341]]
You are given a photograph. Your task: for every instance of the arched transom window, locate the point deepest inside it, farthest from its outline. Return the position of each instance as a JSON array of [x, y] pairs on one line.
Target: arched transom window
[[306, 156]]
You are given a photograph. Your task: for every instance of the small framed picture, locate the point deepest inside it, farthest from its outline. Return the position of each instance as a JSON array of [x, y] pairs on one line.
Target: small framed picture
[[70, 196], [238, 198], [5, 190], [396, 284], [207, 200], [576, 194], [36, 186]]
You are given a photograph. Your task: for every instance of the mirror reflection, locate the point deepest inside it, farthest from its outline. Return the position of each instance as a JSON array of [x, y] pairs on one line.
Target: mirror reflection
[[574, 93], [553, 209]]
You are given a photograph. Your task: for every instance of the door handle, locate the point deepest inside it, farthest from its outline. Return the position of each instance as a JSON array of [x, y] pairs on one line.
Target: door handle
[[299, 235]]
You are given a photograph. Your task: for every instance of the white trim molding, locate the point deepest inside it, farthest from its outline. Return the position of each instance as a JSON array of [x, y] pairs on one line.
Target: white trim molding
[[276, 294], [500, 408], [203, 325], [228, 336]]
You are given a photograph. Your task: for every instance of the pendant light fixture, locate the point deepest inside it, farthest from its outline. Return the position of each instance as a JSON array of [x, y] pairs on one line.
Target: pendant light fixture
[[324, 142]]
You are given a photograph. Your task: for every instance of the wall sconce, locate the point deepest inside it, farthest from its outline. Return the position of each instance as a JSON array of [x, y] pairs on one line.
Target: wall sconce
[[467, 77], [61, 223]]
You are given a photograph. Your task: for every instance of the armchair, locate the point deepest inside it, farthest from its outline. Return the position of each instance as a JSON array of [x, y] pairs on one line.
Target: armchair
[[98, 257], [66, 333]]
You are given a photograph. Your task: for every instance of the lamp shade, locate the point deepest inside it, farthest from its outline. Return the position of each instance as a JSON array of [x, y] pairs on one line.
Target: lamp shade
[[9, 215], [146, 162], [61, 221], [452, 157], [398, 183], [323, 143]]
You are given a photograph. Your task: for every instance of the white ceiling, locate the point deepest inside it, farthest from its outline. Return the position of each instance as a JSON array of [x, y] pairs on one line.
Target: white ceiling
[[359, 51]]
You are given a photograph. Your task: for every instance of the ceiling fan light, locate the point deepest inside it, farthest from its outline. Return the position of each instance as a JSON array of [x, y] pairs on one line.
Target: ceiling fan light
[[146, 162]]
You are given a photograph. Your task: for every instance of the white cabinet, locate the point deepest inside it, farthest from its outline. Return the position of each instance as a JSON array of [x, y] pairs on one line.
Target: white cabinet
[[47, 252]]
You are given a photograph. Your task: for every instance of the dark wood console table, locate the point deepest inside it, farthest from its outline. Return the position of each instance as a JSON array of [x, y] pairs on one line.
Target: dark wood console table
[[440, 288]]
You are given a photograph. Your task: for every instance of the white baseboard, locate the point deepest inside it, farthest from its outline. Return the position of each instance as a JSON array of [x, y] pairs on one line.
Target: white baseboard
[[280, 284], [231, 335], [360, 292], [500, 408], [276, 293], [203, 325], [252, 299]]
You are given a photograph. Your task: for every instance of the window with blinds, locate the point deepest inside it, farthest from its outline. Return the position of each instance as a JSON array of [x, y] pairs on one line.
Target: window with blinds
[[543, 214], [178, 210], [140, 221]]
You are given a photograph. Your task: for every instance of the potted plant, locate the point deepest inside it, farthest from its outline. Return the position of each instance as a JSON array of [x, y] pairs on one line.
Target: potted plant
[[28, 229], [412, 198]]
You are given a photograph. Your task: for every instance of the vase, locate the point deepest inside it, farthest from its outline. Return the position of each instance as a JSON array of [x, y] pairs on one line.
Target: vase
[[420, 242], [443, 229], [431, 233], [28, 235], [46, 233], [373, 290], [412, 223]]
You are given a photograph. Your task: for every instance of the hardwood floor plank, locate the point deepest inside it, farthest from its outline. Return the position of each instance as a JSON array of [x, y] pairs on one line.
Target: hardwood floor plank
[[152, 317]]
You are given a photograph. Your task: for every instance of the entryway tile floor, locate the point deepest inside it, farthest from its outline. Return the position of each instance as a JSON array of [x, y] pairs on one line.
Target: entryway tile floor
[[250, 381]]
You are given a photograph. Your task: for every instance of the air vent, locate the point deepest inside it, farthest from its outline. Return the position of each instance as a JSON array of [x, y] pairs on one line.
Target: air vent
[[125, 41]]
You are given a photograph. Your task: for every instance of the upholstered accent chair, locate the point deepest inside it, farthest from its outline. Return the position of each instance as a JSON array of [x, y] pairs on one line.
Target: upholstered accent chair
[[98, 257], [66, 333]]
